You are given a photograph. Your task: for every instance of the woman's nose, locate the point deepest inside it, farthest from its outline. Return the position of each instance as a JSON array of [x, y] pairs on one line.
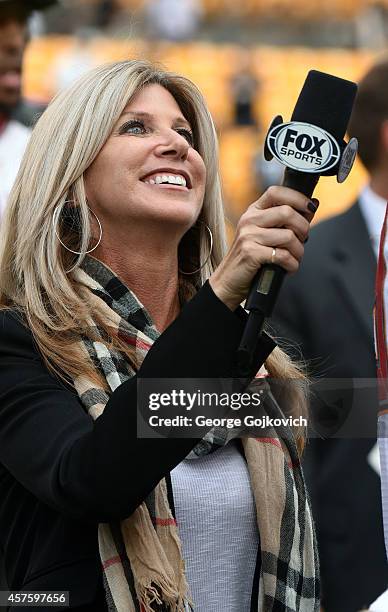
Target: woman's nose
[[173, 145]]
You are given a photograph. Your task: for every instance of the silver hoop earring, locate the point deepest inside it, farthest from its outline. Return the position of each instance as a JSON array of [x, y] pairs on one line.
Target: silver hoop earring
[[55, 221], [207, 258]]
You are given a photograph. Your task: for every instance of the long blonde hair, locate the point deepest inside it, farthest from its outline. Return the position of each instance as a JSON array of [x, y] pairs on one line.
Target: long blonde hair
[[34, 265]]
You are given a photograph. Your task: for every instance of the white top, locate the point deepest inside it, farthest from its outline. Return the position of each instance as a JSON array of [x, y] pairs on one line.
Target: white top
[[13, 141], [381, 604], [373, 210], [216, 517]]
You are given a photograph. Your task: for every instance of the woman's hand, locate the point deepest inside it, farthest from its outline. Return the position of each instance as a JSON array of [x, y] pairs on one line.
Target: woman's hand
[[279, 219]]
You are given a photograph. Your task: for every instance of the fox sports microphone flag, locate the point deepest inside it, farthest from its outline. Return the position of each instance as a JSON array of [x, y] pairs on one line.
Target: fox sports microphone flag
[[309, 146]]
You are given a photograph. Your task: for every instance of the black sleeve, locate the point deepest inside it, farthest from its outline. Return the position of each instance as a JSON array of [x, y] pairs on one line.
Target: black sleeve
[[99, 470]]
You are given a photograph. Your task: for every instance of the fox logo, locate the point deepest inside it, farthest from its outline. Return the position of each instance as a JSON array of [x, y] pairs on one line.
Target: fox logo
[[303, 147]]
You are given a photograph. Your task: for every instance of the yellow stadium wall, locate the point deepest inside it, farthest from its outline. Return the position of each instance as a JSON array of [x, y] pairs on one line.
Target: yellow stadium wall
[[281, 72]]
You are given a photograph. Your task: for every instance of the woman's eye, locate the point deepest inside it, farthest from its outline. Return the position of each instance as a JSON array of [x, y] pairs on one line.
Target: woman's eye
[[188, 135], [135, 127]]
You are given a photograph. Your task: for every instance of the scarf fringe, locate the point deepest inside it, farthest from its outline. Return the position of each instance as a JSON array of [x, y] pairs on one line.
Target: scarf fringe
[[158, 570], [160, 592]]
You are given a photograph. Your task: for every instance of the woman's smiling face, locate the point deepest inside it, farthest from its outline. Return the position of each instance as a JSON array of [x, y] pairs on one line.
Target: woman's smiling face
[[126, 183]]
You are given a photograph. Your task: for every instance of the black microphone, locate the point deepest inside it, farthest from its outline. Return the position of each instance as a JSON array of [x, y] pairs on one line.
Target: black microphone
[[310, 145]]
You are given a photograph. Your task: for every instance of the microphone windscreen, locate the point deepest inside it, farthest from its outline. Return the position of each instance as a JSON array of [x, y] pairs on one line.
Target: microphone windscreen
[[326, 101]]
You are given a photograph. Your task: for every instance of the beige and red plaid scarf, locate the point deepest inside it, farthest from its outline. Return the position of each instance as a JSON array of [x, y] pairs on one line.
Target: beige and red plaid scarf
[[141, 557]]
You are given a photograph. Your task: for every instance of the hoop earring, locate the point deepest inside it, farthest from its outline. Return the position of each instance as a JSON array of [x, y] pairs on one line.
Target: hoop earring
[[207, 258], [55, 220]]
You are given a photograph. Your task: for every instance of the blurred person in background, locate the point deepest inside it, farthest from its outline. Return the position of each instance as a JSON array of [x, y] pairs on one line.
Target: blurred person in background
[[381, 343], [175, 20], [336, 284], [15, 114], [266, 173], [105, 11], [244, 87], [74, 61]]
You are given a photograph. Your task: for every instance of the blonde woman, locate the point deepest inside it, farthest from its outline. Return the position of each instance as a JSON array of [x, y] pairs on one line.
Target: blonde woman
[[112, 267]]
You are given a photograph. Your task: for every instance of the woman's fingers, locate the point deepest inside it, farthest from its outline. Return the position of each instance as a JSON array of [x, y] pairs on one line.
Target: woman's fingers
[[272, 230], [284, 259], [277, 237], [279, 216], [312, 207], [279, 196]]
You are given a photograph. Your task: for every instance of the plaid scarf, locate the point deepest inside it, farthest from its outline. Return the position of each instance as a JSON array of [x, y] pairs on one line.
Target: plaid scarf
[[143, 568]]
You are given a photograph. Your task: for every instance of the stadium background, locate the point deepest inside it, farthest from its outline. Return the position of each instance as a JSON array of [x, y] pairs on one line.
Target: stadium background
[[280, 39]]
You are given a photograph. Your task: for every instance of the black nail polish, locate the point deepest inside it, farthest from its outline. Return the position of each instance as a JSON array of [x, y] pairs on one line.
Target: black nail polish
[[312, 206], [306, 239]]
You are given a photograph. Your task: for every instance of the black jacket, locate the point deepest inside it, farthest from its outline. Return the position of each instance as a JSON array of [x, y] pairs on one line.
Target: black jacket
[[327, 309], [61, 473]]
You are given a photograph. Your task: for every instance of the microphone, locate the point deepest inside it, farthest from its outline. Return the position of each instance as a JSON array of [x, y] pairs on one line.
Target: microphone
[[310, 145]]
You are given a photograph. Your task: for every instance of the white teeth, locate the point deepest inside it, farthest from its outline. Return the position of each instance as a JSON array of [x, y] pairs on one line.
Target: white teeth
[[167, 178]]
